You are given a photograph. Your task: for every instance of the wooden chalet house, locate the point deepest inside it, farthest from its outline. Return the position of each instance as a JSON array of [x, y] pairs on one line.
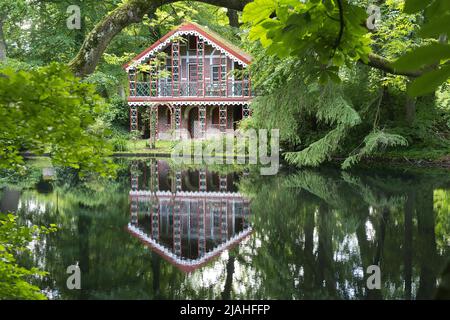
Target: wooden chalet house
[[192, 83]]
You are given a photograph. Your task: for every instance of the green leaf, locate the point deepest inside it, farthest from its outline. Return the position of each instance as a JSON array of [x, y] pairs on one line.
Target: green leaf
[[423, 56], [429, 82], [437, 8], [439, 25], [258, 11], [334, 77], [413, 6]]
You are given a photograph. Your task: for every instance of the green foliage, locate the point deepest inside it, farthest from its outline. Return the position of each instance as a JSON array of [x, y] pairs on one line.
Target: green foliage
[[315, 119], [443, 102], [49, 110], [423, 56], [376, 141], [15, 64], [319, 151], [14, 239], [36, 31], [311, 28], [363, 114], [105, 83], [434, 57], [116, 115], [120, 144], [334, 33], [429, 82], [331, 108], [442, 208]]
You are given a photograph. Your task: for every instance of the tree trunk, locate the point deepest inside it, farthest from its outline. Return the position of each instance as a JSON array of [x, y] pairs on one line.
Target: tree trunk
[[233, 18], [426, 226], [132, 11], [156, 275], [308, 265], [226, 294], [408, 240], [84, 230], [2, 42], [410, 109], [325, 252], [387, 102]]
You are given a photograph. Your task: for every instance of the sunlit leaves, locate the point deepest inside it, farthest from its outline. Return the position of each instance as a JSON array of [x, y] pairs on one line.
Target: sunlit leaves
[[259, 10], [49, 110]]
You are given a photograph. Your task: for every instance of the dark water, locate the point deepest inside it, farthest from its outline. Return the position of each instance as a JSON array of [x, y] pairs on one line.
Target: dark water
[[158, 232]]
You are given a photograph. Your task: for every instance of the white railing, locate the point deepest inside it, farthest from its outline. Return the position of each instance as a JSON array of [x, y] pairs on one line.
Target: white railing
[[241, 88]]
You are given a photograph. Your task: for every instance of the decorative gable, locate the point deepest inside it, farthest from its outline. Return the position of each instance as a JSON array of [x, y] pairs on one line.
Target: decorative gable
[[192, 29]]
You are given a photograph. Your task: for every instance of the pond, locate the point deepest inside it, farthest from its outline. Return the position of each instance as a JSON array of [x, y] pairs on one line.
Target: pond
[[160, 231]]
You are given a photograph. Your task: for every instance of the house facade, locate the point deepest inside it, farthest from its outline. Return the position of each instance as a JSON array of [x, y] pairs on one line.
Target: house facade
[[191, 83]]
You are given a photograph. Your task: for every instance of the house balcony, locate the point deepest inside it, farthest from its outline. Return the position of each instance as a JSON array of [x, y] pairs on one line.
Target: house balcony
[[211, 90]]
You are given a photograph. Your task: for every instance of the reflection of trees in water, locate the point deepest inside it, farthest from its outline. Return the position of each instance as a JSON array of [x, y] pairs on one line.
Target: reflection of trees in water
[[316, 233], [320, 230], [91, 216]]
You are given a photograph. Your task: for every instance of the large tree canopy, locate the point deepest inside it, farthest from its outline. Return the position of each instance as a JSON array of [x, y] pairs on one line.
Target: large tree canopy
[[282, 19], [335, 32]]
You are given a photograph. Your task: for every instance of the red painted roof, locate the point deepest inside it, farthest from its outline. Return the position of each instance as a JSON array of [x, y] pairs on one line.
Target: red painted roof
[[208, 34]]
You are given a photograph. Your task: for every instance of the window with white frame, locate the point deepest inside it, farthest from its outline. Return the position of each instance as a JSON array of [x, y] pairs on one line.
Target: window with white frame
[[215, 69]]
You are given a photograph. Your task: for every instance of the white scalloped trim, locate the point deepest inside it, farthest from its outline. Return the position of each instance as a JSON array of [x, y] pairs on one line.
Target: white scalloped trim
[[187, 103], [189, 262], [202, 194], [163, 44]]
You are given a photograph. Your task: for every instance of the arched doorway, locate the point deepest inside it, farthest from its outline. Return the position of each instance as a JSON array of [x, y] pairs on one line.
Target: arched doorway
[[193, 125], [165, 115]]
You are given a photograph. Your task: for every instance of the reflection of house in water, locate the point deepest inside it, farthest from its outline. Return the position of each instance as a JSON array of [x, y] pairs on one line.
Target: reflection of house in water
[[187, 217]]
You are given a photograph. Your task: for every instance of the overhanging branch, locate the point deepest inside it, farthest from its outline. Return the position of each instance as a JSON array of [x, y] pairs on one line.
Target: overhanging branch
[[381, 63]]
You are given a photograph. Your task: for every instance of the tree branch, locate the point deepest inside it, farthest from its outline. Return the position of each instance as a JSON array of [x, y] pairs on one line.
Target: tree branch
[[341, 26], [233, 18], [381, 63]]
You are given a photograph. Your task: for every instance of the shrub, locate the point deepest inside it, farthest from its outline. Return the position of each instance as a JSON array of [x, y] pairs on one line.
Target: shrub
[[14, 239]]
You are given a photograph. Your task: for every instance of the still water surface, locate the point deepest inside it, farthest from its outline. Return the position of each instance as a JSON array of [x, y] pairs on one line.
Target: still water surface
[[161, 232]]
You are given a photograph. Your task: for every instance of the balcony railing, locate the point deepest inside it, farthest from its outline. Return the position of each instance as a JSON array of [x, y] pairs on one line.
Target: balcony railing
[[191, 89]]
